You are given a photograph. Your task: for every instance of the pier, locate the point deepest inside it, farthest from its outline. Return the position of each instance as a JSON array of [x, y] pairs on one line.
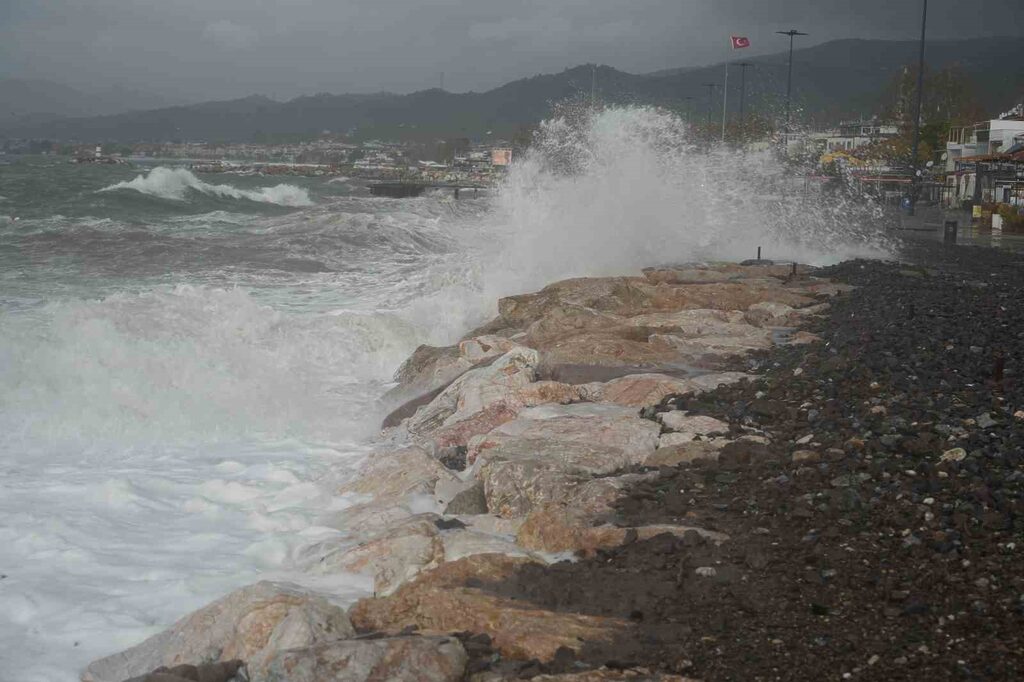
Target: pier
[[413, 188]]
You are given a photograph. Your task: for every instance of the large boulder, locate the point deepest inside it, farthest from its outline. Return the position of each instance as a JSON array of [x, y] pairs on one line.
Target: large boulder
[[392, 557], [477, 389], [362, 520], [712, 380], [402, 552], [250, 624], [598, 497], [403, 659], [454, 598], [460, 543], [694, 424], [594, 356], [615, 295], [703, 273], [206, 672], [671, 454], [556, 454], [639, 390], [424, 373], [594, 425], [512, 487], [560, 528], [398, 474]]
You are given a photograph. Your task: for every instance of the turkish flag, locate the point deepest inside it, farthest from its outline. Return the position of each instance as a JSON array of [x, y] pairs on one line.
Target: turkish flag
[[740, 41]]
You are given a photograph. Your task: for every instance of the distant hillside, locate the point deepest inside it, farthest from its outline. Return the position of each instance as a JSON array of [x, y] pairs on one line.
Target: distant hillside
[[22, 99], [839, 79]]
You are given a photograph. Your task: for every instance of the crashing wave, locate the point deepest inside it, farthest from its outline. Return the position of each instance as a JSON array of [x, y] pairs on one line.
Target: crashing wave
[[175, 183]]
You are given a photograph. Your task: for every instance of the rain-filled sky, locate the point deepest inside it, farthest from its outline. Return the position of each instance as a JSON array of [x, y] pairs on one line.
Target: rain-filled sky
[[203, 49]]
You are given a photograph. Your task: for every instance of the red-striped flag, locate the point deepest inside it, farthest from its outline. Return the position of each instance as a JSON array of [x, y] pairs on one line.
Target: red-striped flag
[[740, 41]]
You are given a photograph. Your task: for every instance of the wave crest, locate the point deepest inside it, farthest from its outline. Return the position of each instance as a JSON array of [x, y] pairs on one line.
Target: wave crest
[[175, 183]]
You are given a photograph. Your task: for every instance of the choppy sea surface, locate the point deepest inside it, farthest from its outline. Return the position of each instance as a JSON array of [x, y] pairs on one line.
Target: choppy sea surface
[[188, 368], [189, 364]]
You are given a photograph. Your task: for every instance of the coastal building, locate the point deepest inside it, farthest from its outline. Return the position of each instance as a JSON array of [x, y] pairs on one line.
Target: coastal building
[[985, 162], [852, 135], [987, 137]]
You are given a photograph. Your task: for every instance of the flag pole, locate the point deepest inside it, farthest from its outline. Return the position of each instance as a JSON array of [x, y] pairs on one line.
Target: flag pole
[[725, 99]]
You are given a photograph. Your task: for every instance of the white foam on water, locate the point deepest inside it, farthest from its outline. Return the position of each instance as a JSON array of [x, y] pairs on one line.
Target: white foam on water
[[176, 183], [162, 448]]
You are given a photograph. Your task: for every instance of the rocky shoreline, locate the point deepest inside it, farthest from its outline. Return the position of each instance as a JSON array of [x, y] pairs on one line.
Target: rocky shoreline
[[707, 472]]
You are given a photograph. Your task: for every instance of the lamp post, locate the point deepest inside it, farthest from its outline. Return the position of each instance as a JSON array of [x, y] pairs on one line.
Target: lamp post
[[915, 178], [789, 79]]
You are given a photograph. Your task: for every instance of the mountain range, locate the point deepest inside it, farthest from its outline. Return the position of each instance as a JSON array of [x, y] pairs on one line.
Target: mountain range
[[831, 81], [25, 99]]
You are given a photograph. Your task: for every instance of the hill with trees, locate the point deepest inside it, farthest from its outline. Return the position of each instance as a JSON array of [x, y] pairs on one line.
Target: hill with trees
[[836, 80]]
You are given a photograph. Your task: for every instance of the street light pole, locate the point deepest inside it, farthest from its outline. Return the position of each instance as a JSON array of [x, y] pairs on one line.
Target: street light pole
[[915, 179], [789, 79]]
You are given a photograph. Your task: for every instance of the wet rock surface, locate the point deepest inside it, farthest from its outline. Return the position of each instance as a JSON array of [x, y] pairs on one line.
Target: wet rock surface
[[249, 625], [875, 506]]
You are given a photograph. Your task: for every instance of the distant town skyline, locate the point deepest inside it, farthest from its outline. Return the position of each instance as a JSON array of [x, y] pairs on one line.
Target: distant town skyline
[[193, 50]]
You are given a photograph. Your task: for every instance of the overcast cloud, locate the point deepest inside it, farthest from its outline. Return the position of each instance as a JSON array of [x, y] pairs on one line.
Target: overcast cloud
[[202, 49]]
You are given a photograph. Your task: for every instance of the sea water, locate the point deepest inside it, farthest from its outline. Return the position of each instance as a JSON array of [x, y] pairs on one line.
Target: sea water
[[189, 364]]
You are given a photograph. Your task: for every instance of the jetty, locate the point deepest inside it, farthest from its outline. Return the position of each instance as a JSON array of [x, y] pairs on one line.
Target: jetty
[[414, 188]]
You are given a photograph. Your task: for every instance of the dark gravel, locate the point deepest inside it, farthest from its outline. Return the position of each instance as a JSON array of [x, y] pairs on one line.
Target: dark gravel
[[878, 534]]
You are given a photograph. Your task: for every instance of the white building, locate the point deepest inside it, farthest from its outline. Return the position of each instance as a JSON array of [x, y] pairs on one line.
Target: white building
[[854, 134], [982, 139]]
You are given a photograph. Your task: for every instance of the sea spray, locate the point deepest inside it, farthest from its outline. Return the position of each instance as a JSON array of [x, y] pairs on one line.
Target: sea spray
[[176, 183], [627, 187], [614, 190]]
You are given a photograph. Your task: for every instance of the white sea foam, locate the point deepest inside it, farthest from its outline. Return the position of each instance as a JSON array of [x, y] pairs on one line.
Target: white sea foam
[[176, 183]]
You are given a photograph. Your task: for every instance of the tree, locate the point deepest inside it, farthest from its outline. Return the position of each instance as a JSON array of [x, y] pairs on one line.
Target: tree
[[949, 100]]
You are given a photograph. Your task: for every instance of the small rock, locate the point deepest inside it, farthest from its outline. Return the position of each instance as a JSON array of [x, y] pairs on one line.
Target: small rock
[[806, 457], [954, 455], [695, 424], [706, 571], [985, 420]]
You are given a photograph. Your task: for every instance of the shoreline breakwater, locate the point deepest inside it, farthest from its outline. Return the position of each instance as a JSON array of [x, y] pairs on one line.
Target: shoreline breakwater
[[510, 449]]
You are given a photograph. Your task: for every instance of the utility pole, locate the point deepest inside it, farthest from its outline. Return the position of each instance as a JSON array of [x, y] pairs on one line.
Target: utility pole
[[789, 79], [915, 180]]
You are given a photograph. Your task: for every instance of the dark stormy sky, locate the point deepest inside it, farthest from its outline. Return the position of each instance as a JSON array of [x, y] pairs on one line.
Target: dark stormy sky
[[200, 49]]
